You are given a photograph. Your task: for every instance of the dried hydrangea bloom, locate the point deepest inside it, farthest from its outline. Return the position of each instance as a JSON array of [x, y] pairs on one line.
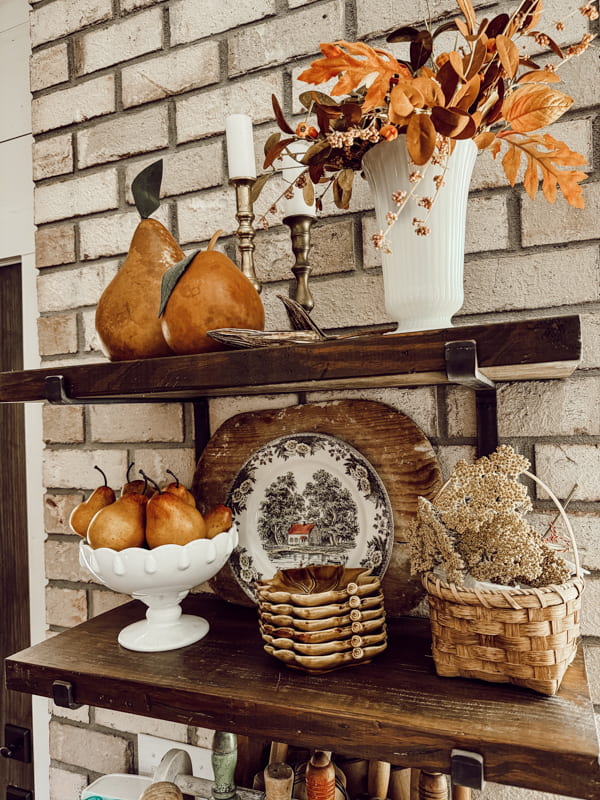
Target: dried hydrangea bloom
[[476, 526]]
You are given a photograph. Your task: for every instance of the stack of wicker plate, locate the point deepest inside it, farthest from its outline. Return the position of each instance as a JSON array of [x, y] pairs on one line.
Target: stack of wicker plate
[[321, 618]]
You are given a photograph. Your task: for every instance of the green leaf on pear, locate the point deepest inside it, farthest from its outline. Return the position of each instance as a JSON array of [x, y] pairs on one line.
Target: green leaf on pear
[[146, 189], [170, 278]]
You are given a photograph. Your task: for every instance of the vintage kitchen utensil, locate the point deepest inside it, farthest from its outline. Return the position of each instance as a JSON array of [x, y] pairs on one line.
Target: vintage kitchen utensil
[[279, 781], [393, 444]]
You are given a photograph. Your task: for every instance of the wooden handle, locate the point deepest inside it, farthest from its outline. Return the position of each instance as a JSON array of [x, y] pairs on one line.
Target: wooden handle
[[379, 779], [163, 790], [279, 781], [278, 752]]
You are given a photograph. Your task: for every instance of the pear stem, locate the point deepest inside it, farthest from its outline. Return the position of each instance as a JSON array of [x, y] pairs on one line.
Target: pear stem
[[128, 471], [102, 473], [170, 472], [147, 478]]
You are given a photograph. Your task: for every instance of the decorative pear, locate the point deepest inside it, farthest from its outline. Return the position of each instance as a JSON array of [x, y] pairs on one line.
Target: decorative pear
[[82, 514], [218, 519], [206, 291], [169, 520], [120, 525], [179, 490], [126, 313], [138, 486]]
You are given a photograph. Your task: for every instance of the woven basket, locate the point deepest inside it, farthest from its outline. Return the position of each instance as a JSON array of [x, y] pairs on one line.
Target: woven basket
[[527, 637]]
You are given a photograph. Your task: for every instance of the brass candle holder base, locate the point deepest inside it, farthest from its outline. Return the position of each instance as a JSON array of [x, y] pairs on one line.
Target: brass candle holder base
[[245, 231], [300, 226]]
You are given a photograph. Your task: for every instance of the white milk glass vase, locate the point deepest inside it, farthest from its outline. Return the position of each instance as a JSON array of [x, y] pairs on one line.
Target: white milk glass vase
[[422, 275]]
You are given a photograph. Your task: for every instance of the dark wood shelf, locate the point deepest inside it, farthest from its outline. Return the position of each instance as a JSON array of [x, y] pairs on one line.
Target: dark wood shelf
[[394, 709], [523, 350]]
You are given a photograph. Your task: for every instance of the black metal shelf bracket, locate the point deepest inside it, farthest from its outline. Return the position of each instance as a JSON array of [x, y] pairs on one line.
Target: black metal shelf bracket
[[462, 368], [56, 393]]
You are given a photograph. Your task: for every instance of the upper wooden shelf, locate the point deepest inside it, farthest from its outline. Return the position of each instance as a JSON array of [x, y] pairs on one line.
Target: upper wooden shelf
[[523, 350], [405, 714]]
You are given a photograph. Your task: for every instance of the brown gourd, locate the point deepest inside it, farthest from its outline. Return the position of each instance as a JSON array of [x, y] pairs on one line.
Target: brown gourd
[[206, 292], [126, 320]]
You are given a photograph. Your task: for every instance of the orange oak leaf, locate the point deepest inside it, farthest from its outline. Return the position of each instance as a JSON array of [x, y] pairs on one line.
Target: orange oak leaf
[[533, 106], [539, 76], [546, 157], [352, 63]]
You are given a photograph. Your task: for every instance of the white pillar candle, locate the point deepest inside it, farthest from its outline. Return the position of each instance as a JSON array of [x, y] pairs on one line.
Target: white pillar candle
[[291, 170], [240, 146]]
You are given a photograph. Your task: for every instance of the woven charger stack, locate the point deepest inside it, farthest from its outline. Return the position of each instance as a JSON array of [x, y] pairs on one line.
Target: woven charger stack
[[321, 618]]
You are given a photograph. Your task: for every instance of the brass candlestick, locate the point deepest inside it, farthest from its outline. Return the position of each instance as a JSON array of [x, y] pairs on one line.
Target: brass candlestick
[[245, 231], [300, 225]]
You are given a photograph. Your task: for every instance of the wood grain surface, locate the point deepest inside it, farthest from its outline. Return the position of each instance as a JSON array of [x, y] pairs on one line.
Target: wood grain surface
[[394, 709], [396, 447]]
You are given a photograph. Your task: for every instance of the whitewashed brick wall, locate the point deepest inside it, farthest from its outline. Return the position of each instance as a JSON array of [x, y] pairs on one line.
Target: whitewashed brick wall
[[119, 83]]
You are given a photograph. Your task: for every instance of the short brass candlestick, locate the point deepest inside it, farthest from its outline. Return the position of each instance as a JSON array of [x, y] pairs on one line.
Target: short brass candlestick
[[245, 231], [300, 225]]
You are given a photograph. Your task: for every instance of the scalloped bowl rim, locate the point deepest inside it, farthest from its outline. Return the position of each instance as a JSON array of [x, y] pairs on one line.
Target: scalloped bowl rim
[[135, 578]]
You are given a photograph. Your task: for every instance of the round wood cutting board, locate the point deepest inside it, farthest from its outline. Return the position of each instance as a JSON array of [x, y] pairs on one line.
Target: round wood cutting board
[[396, 447]]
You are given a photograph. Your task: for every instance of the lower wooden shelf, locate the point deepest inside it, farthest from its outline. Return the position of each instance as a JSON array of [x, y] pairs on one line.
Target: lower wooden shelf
[[395, 709]]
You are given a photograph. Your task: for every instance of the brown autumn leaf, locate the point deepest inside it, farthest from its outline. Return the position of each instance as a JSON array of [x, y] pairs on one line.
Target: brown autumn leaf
[[534, 106], [449, 122], [472, 64], [468, 93], [272, 141], [547, 156], [275, 152], [508, 53], [511, 163], [484, 140], [539, 76], [496, 25], [342, 193], [352, 63], [448, 79], [308, 193], [456, 61], [405, 34], [312, 96], [430, 90], [554, 46], [468, 13], [258, 185], [421, 49], [404, 98], [281, 120], [420, 138]]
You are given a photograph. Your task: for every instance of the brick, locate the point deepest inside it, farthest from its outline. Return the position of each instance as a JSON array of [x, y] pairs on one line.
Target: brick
[[130, 37], [460, 412], [65, 607], [74, 714], [54, 245], [62, 17], [179, 71], [75, 197], [57, 334], [68, 469], [57, 509], [190, 170], [73, 288], [543, 223], [581, 79], [270, 43], [49, 67], [106, 600], [549, 408], [331, 250], [155, 422], [590, 324], [110, 235], [419, 403], [187, 24], [155, 462], [62, 561], [91, 342], [52, 157], [561, 466], [133, 723], [66, 784], [449, 455], [78, 103], [223, 408], [98, 752], [586, 529], [590, 608], [124, 136], [592, 661], [374, 16], [201, 215], [344, 301], [134, 5], [202, 737], [204, 114], [63, 424], [531, 279]]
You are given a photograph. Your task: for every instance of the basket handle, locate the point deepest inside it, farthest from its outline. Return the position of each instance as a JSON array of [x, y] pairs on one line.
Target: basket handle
[[561, 511]]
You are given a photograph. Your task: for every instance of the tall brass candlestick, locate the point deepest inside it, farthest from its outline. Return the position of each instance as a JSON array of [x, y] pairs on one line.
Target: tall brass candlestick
[[245, 231], [300, 225]]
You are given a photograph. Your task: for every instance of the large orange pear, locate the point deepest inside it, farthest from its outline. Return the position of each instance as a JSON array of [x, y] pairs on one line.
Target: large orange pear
[[211, 293], [127, 313]]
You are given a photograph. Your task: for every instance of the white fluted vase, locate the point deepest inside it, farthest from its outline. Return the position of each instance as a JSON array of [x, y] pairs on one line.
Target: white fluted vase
[[423, 275]]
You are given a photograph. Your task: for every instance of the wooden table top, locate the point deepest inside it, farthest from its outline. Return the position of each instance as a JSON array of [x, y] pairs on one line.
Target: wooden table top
[[394, 709]]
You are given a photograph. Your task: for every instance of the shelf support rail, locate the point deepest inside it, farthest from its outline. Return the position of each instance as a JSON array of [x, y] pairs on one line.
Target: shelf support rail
[[462, 367], [56, 393]]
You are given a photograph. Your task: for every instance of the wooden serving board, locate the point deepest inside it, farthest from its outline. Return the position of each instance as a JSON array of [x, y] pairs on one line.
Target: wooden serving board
[[397, 448]]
